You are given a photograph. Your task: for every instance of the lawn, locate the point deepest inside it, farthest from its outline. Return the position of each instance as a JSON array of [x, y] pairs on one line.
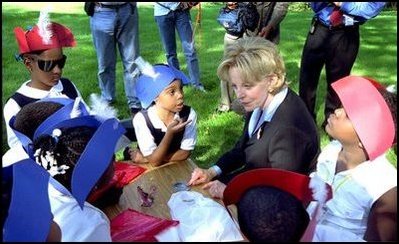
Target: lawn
[[217, 133]]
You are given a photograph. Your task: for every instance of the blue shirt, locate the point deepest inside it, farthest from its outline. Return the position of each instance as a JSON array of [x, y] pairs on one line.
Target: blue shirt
[[163, 8], [354, 12]]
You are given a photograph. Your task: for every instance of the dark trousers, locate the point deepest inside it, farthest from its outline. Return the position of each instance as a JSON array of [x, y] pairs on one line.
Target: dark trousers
[[337, 50]]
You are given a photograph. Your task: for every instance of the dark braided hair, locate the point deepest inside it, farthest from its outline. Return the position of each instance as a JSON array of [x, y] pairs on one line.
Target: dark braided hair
[[28, 119], [66, 150], [268, 214]]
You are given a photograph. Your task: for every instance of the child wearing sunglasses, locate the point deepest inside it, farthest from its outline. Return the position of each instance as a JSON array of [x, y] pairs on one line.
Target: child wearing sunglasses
[[40, 50]]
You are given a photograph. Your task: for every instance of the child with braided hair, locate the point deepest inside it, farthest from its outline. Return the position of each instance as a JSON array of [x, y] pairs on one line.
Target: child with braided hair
[[59, 144], [67, 154]]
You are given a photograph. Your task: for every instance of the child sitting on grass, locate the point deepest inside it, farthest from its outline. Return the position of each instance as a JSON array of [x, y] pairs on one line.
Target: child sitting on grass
[[166, 128]]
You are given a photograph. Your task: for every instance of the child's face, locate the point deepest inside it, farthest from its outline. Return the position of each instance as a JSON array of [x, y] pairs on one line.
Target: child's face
[[172, 97], [340, 127], [43, 79]]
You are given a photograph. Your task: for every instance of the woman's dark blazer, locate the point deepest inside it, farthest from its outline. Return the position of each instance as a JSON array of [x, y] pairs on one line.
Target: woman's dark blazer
[[289, 141]]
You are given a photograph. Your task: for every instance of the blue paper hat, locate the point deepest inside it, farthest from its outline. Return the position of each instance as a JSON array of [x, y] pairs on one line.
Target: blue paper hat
[[97, 155], [62, 114], [90, 165], [29, 214], [148, 87]]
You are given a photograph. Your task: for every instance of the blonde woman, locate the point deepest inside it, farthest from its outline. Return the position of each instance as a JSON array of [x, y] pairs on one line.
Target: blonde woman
[[279, 131]]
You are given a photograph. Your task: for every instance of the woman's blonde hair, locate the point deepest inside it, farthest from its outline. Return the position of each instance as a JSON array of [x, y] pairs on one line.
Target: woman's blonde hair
[[255, 58]]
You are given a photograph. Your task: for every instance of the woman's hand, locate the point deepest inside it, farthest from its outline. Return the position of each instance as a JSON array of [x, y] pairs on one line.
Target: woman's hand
[[216, 188], [199, 176]]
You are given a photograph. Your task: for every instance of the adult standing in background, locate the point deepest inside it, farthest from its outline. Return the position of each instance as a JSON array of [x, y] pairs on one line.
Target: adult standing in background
[[116, 24], [171, 16], [270, 16], [333, 41]]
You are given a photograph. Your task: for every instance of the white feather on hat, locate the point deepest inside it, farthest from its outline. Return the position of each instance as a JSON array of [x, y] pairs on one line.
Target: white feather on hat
[[101, 109], [44, 26]]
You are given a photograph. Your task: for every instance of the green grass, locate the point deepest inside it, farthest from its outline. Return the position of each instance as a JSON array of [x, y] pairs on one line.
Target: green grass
[[217, 133]]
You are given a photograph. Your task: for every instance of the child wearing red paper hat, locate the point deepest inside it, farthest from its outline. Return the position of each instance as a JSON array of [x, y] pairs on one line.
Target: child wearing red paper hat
[[166, 128], [364, 182], [271, 204], [40, 49]]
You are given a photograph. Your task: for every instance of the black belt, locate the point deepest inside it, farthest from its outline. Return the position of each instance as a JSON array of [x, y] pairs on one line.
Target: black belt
[[113, 6], [339, 27]]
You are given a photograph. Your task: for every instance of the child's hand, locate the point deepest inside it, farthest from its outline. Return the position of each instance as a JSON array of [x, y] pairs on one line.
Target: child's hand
[[177, 125]]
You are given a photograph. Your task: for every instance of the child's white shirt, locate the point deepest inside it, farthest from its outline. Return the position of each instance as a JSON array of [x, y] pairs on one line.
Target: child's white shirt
[[146, 140], [354, 192], [89, 224], [11, 108]]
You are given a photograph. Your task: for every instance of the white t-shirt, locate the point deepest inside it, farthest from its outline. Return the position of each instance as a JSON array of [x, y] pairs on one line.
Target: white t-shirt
[[354, 192], [89, 224], [146, 140], [11, 108]]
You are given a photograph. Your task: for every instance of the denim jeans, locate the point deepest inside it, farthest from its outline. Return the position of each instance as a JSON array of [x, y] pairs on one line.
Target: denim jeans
[[181, 21], [111, 28]]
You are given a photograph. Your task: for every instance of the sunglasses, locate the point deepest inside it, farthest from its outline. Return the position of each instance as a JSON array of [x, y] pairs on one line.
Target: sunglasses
[[48, 65]]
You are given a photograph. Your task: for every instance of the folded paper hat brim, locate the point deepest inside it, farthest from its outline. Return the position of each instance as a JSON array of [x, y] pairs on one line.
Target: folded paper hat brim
[[148, 87], [31, 41], [368, 112]]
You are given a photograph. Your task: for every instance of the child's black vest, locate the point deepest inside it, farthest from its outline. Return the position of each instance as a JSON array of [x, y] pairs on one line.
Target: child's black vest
[[68, 90], [158, 134]]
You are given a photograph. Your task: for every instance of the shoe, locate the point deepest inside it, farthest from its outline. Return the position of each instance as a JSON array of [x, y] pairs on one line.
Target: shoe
[[237, 107], [223, 108], [109, 102], [200, 88], [134, 111]]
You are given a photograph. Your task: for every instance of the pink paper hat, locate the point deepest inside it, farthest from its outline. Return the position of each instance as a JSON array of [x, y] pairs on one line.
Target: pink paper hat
[[368, 111]]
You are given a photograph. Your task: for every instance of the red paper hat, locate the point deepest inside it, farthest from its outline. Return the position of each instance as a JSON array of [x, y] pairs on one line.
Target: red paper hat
[[291, 182], [368, 111], [288, 181], [31, 40]]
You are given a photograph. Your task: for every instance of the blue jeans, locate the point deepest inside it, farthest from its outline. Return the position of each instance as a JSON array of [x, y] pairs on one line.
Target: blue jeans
[[181, 21], [111, 27]]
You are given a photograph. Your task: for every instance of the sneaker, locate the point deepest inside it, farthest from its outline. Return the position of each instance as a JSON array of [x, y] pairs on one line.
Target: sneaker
[[223, 108]]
